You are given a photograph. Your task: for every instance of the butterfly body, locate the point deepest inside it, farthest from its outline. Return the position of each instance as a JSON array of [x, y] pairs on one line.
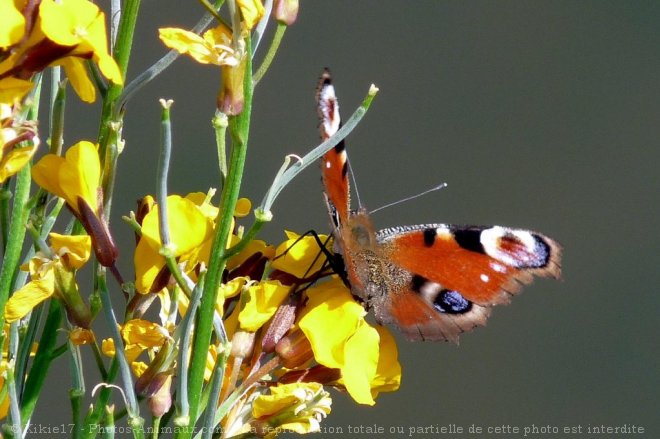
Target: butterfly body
[[432, 281]]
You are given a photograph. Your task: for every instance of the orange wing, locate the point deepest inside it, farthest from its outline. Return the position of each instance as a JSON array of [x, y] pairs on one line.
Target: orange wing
[[485, 264]]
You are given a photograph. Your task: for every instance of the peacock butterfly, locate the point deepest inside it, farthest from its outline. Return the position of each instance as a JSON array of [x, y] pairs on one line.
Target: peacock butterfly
[[432, 281]]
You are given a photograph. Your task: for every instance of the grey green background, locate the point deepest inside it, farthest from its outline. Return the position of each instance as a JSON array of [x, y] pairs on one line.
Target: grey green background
[[540, 115]]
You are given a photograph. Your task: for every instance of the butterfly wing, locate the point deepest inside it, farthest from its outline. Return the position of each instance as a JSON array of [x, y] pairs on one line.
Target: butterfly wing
[[453, 274], [334, 165]]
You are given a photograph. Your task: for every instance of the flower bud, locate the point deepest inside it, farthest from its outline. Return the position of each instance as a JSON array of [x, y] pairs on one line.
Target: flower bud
[[280, 325], [242, 344], [102, 242], [285, 11], [231, 98], [316, 374], [294, 350], [161, 401]]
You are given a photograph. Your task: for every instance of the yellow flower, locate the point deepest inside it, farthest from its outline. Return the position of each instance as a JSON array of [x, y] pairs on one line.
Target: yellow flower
[[13, 90], [340, 338], [143, 333], [297, 407], [13, 24], [50, 276], [74, 250], [66, 33], [81, 336], [189, 229], [81, 25], [213, 47], [74, 177], [12, 156], [138, 335], [263, 299], [300, 256], [252, 11], [29, 296]]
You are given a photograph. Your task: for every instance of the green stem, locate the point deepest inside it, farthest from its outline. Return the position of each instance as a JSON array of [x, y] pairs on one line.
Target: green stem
[[156, 427], [42, 361], [161, 197], [17, 429], [239, 130], [110, 127], [96, 413], [220, 126], [109, 423], [5, 196], [270, 55], [128, 387], [98, 359], [163, 171], [183, 407], [216, 386], [77, 392], [17, 230], [26, 343], [247, 238], [58, 90]]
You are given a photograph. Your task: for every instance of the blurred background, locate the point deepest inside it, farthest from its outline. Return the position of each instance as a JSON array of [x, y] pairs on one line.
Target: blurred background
[[539, 115]]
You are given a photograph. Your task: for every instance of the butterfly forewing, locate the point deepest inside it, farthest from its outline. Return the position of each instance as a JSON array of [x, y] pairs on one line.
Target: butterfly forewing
[[486, 265]]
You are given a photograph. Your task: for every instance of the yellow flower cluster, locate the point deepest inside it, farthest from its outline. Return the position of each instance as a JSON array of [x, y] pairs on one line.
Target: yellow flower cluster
[[317, 335], [287, 328]]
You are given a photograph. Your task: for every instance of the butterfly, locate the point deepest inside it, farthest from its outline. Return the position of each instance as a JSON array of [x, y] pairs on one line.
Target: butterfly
[[432, 281]]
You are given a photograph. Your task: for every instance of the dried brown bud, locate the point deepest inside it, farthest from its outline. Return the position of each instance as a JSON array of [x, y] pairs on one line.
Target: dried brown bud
[[281, 323], [104, 246]]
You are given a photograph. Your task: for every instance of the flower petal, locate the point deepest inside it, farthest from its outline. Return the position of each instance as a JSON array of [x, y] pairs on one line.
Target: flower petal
[[13, 89], [148, 263], [74, 249], [26, 298], [263, 300], [13, 24], [14, 161], [252, 11], [188, 227], [300, 256], [330, 318], [388, 373], [76, 71], [357, 374], [80, 175], [187, 43], [143, 333]]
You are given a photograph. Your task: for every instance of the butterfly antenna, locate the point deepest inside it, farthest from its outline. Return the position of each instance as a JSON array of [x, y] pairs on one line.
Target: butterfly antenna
[[412, 197], [354, 183]]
